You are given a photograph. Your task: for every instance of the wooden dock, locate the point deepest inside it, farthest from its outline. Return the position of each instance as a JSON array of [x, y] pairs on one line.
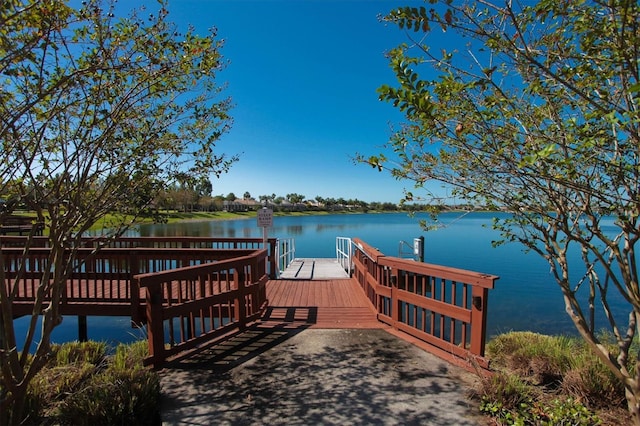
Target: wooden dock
[[326, 303], [196, 291], [318, 293]]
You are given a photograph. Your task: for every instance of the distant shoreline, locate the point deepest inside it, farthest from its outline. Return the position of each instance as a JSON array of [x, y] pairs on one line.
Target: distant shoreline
[[177, 217], [251, 214]]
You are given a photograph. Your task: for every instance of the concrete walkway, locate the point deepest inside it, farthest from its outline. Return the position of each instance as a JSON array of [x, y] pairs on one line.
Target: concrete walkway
[[298, 376]]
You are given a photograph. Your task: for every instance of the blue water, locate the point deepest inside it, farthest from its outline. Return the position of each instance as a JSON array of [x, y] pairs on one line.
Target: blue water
[[525, 297]]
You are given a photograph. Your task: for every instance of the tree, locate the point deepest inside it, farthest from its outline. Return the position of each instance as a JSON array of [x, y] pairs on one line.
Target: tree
[[94, 108], [246, 196], [204, 187], [264, 199], [295, 198], [536, 112]]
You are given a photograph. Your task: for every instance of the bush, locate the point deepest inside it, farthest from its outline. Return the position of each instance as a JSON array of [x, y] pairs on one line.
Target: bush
[[90, 352], [547, 380], [82, 385], [542, 359], [116, 397]]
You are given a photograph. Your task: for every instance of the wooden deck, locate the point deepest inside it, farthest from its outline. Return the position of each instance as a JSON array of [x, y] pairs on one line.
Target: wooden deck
[[203, 292], [330, 303]]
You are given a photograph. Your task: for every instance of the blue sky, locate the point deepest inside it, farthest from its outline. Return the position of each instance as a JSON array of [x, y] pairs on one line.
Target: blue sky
[[303, 76]]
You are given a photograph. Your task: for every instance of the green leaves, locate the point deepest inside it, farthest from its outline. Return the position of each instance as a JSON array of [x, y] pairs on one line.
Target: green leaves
[[87, 95], [412, 18], [536, 113]]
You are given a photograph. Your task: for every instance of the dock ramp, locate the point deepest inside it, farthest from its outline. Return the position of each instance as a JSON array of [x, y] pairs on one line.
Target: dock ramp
[[293, 268], [314, 269]]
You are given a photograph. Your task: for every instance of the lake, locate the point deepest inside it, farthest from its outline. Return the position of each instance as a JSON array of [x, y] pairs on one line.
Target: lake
[[525, 297]]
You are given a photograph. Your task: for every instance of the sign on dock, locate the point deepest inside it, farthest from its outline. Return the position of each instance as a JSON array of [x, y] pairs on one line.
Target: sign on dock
[[265, 218]]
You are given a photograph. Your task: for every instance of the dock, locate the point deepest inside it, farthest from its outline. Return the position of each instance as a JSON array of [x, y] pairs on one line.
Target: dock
[[195, 292]]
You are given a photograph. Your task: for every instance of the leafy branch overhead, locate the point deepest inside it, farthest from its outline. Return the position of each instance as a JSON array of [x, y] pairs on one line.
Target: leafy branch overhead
[[534, 111], [99, 111]]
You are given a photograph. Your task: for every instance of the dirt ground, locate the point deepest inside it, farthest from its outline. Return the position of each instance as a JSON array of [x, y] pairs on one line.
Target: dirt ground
[[271, 376]]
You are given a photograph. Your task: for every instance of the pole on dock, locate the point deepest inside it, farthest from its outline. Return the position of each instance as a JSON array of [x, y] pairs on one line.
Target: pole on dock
[[265, 221], [418, 248]]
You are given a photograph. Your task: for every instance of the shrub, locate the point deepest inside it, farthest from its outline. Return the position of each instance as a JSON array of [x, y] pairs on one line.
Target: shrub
[[511, 401], [543, 359], [117, 397], [545, 380], [565, 412], [90, 352], [124, 393], [593, 383], [507, 390], [82, 385]]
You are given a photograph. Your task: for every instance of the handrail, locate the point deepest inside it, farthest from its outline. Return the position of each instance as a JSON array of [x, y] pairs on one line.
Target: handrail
[[344, 253], [285, 253], [157, 242], [445, 308], [197, 304], [100, 276]]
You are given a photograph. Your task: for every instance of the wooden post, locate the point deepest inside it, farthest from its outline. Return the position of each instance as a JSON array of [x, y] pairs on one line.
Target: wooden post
[[134, 287], [240, 302], [395, 303], [479, 296], [83, 335], [155, 327], [273, 262]]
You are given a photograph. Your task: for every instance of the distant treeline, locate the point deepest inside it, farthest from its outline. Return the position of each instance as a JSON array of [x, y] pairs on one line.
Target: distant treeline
[[191, 201]]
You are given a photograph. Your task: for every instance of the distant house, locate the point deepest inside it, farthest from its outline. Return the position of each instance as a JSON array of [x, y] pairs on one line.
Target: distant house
[[244, 205]]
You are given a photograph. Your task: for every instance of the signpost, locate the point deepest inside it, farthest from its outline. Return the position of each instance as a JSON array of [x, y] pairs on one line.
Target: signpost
[[265, 220]]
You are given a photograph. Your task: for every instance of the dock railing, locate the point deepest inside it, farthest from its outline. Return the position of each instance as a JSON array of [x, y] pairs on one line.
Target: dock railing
[[285, 253], [443, 307], [344, 253], [199, 304], [196, 293], [204, 243]]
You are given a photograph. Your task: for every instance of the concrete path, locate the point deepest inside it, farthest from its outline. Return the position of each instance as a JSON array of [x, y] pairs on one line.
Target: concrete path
[[280, 376]]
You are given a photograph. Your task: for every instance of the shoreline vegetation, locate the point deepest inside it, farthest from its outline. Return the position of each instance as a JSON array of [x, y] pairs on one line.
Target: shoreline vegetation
[[177, 217]]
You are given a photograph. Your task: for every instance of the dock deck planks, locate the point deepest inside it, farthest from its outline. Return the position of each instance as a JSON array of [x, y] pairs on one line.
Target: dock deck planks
[[330, 299], [331, 303]]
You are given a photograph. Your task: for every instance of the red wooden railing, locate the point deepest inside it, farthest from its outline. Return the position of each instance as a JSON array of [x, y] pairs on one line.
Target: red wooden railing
[[100, 280], [158, 243], [197, 304], [192, 290], [196, 293], [446, 308]]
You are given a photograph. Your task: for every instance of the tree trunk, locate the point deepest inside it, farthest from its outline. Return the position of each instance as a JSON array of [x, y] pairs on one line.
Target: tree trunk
[[633, 404], [12, 408]]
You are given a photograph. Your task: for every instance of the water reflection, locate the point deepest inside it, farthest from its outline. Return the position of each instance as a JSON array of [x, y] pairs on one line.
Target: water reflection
[[332, 227], [294, 230]]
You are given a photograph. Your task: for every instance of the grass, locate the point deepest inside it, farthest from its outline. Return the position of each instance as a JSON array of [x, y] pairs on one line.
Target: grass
[[176, 216], [82, 385], [542, 379]]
